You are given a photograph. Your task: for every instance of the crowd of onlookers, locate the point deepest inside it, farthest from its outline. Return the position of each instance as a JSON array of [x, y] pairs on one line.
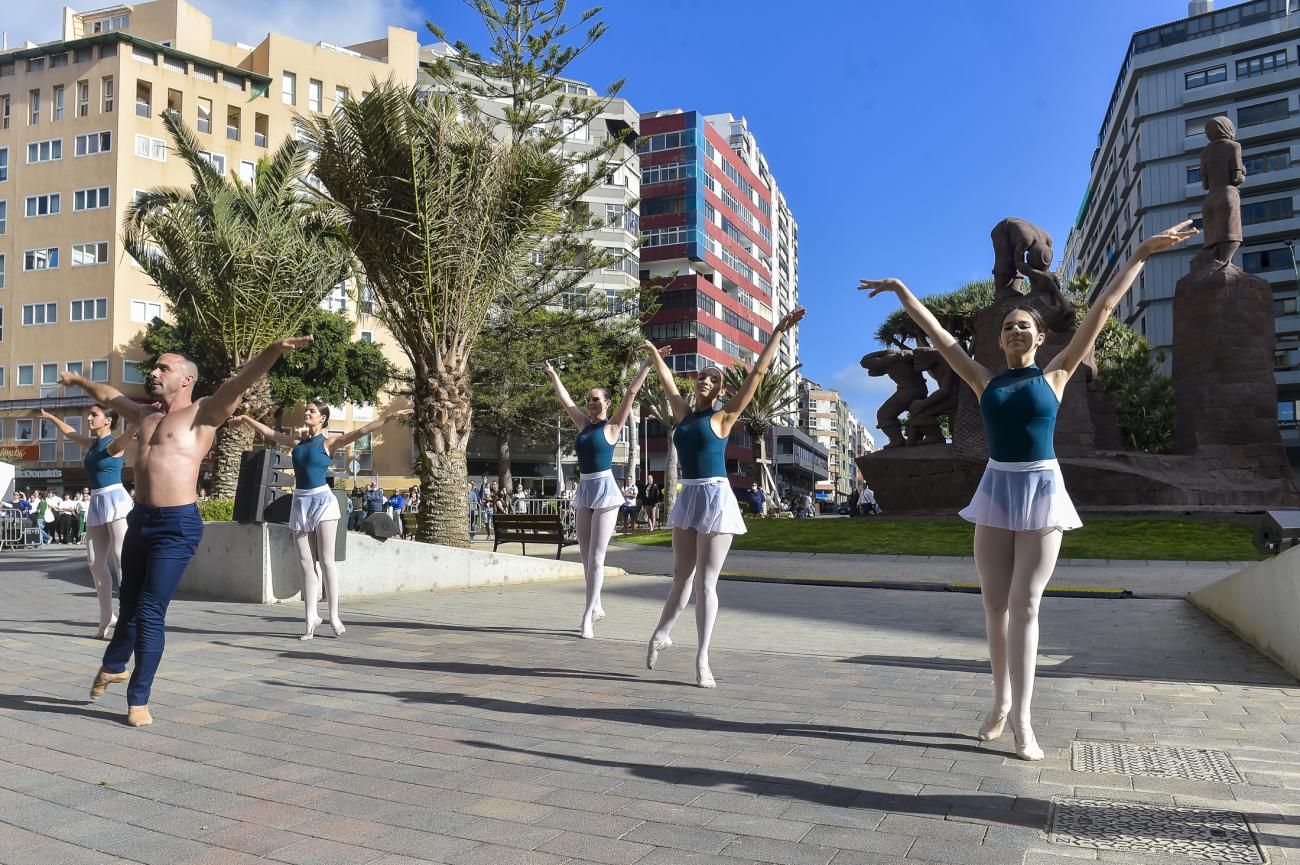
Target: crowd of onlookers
[[60, 519]]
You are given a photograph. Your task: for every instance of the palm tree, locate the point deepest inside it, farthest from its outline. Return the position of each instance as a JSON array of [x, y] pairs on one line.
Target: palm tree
[[443, 218], [241, 265], [774, 400], [956, 311]]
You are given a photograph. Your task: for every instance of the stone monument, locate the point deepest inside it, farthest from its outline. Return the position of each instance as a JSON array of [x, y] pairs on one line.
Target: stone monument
[[910, 387]]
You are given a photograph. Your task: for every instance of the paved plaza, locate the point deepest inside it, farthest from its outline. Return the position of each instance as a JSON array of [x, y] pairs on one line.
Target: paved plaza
[[473, 727]]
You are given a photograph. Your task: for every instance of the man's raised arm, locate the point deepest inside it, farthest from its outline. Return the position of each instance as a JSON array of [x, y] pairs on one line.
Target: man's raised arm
[[107, 396], [217, 409]]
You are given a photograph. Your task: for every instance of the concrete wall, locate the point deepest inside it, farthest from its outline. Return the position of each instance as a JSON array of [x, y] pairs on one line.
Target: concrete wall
[[1261, 604], [259, 564]]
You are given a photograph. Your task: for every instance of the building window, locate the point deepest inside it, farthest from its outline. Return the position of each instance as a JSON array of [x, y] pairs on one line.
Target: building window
[[111, 23], [662, 205], [144, 55], [83, 98], [44, 151], [289, 88], [205, 73], [4, 226], [90, 199], [233, 122], [1261, 63], [56, 101], [145, 311], [1283, 306], [84, 54], [175, 64], [151, 148], [663, 173], [41, 259], [367, 336], [337, 299], [175, 103], [216, 160], [231, 80], [143, 98], [1272, 210], [43, 205], [36, 64], [86, 254], [34, 106], [205, 115], [664, 141], [247, 170], [1265, 259], [5, 108], [106, 92], [2, 270], [99, 370], [92, 309], [92, 143], [665, 236], [26, 378], [1253, 115], [314, 89], [35, 314], [4, 163], [131, 372], [1263, 163], [340, 95]]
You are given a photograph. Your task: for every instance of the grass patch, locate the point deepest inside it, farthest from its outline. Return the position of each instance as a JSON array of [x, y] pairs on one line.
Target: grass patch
[[1162, 539]]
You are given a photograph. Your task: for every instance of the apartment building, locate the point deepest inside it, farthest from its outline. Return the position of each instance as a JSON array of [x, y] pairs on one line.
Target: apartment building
[[1242, 62], [708, 210], [825, 415], [613, 203], [81, 134]]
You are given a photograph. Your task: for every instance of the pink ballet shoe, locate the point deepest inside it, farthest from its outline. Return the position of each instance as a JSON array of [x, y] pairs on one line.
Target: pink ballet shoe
[[704, 677], [993, 725], [311, 629], [102, 633], [1026, 745], [653, 650]]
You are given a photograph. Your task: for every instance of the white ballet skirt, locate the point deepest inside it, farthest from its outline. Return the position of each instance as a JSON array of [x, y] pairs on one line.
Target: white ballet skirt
[[1022, 497], [709, 506], [108, 505], [312, 507], [598, 491]]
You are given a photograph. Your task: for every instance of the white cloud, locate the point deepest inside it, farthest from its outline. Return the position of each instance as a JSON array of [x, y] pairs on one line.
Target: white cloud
[[337, 21]]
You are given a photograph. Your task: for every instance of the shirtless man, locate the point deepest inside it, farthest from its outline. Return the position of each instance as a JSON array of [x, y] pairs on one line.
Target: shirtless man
[[164, 528]]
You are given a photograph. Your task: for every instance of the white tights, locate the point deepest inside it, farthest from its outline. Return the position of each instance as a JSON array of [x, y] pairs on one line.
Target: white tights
[[104, 542], [595, 527], [318, 548], [695, 556], [1014, 568]]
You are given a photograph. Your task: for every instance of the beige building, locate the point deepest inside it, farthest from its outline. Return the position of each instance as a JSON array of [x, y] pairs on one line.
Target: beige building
[[80, 134], [825, 415]]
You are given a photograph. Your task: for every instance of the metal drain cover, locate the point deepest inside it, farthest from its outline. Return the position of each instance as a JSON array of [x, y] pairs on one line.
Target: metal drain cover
[[1100, 824], [1121, 758]]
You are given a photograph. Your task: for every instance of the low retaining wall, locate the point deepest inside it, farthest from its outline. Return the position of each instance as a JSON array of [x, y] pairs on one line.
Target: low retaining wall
[[259, 564], [1261, 604]]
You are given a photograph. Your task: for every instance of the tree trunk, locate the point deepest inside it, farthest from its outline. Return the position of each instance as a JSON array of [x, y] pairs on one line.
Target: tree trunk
[[231, 441], [442, 428], [504, 477]]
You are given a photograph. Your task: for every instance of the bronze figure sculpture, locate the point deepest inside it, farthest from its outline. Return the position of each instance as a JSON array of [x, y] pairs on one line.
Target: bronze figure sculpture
[[899, 366], [924, 415], [1021, 248], [1222, 171]]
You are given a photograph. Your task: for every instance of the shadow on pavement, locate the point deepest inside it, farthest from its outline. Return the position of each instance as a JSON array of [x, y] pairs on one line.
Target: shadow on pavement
[[448, 667], [57, 706]]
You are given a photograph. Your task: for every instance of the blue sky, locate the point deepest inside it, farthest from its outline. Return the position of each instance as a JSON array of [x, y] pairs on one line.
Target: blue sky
[[900, 132]]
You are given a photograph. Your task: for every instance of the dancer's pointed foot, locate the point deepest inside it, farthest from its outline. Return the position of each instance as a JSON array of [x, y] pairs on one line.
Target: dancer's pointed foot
[[704, 677], [103, 679], [993, 725], [102, 633], [586, 631], [311, 629], [337, 625], [652, 651], [138, 716], [597, 615], [1026, 745]]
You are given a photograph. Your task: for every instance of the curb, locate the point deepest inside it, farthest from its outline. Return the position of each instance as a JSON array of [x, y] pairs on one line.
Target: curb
[[1104, 592]]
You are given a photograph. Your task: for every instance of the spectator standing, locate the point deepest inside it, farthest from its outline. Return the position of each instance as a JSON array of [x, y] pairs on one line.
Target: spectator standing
[[629, 508], [867, 502], [519, 499], [654, 494], [757, 500]]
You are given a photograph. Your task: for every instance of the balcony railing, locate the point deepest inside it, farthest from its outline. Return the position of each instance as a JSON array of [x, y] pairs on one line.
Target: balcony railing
[[143, 109]]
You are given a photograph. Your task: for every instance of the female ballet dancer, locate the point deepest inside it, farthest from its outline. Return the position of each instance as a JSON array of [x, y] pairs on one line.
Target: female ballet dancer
[[314, 517], [1021, 509], [705, 515], [598, 498], [109, 501]]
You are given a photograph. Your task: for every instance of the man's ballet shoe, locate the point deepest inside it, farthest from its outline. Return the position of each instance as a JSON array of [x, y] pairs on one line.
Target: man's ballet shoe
[[311, 629], [993, 725], [704, 678], [653, 650], [103, 679], [102, 633], [138, 716], [337, 625], [1026, 745]]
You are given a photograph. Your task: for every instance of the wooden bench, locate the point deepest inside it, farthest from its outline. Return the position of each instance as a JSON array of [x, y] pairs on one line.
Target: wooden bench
[[525, 529]]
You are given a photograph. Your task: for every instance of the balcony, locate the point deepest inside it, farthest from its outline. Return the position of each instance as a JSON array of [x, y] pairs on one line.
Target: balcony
[[259, 139], [142, 109], [232, 133]]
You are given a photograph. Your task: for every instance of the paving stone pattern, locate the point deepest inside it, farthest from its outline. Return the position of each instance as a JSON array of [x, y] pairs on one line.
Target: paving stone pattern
[[473, 727]]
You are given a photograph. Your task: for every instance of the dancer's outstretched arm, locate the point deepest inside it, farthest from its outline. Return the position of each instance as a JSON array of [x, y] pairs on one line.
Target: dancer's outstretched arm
[[69, 431], [1068, 359], [108, 396], [216, 409], [279, 438], [733, 408], [680, 409], [974, 374], [335, 442], [620, 417], [577, 415]]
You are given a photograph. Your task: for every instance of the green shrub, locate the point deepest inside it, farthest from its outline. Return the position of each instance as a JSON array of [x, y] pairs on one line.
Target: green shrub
[[217, 510]]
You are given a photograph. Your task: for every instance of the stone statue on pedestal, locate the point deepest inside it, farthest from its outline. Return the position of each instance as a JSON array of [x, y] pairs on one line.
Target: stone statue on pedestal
[[901, 369], [925, 415], [1222, 171], [1021, 248]]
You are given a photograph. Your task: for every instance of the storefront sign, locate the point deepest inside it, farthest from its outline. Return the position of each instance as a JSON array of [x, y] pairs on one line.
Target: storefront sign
[[40, 473]]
